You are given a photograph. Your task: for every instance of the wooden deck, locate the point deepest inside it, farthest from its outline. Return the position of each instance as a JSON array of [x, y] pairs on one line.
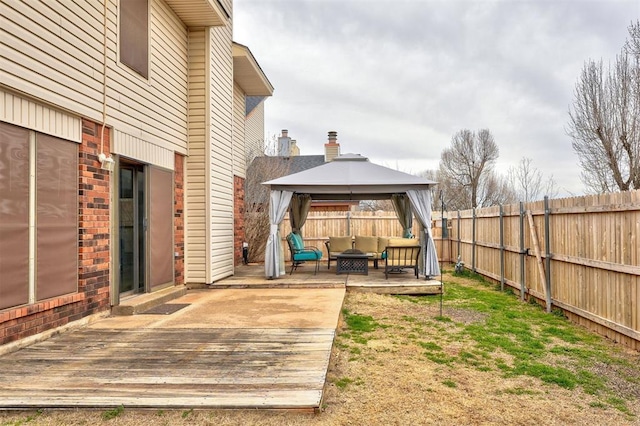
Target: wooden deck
[[245, 342], [252, 276], [230, 368], [227, 349]]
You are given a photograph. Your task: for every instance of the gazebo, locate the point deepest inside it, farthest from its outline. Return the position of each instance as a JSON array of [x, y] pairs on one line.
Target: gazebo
[[350, 177]]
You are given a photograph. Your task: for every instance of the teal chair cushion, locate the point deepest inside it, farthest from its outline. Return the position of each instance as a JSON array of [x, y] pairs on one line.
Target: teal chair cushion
[[296, 241], [307, 255]]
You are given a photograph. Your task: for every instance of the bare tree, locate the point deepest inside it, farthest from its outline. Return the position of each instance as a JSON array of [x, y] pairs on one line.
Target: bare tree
[[375, 205], [528, 182], [267, 146], [605, 120], [466, 168], [497, 190], [256, 196], [633, 43]]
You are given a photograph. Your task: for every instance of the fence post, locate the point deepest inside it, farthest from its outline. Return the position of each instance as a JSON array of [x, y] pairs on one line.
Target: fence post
[[547, 257], [501, 249], [459, 236], [522, 252], [473, 241], [348, 223]]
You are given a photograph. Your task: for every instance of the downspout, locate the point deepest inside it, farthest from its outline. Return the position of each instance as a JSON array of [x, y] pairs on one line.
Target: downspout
[[107, 162], [104, 75], [207, 159], [114, 295]]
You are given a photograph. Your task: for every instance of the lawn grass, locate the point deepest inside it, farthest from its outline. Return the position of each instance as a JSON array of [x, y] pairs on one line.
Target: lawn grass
[[507, 337]]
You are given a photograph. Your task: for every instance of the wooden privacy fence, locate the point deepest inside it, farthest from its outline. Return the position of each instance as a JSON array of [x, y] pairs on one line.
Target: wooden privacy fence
[[579, 254]]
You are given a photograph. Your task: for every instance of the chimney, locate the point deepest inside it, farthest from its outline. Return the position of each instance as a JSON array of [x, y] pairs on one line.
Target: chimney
[[331, 148], [294, 149], [284, 144]]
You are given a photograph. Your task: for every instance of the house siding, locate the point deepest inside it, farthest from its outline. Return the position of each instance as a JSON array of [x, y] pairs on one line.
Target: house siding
[[51, 50], [186, 117], [196, 175], [131, 147], [29, 114], [151, 111], [221, 179], [239, 158], [254, 133], [55, 54]]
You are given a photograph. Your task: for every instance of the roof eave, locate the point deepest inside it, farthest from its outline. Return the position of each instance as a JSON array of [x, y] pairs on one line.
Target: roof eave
[[248, 74], [199, 13]]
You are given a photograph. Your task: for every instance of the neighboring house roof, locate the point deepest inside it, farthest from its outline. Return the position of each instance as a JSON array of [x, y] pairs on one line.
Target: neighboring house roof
[[305, 162], [272, 167], [251, 102]]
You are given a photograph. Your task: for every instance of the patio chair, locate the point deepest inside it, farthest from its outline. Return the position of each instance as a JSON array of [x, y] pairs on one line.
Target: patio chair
[[399, 258], [301, 254]]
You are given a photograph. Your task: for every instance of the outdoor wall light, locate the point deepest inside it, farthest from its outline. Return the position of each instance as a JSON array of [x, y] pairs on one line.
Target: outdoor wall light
[[107, 163]]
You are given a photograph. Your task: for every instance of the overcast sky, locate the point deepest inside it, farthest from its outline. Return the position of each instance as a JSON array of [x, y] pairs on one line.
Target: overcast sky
[[397, 79]]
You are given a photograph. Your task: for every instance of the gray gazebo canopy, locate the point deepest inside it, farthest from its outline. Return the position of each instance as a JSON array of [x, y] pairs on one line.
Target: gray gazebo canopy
[[350, 177]]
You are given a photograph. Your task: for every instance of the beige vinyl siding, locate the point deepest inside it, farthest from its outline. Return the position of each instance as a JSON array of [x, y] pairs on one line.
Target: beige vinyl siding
[[239, 160], [197, 162], [153, 110], [51, 49], [254, 132], [31, 115], [221, 178], [132, 147]]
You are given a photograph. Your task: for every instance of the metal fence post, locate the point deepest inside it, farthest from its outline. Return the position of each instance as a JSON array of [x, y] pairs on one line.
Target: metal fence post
[[459, 236], [547, 245], [473, 241], [501, 249], [522, 252]]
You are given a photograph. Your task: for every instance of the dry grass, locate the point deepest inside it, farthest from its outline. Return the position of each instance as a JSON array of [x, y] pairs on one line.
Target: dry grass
[[396, 362]]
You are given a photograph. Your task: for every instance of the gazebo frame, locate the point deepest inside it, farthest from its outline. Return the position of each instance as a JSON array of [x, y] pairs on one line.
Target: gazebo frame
[[349, 177]]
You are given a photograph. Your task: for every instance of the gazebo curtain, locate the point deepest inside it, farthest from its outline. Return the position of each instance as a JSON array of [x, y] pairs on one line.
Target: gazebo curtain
[[402, 206], [421, 201], [273, 258], [300, 205]]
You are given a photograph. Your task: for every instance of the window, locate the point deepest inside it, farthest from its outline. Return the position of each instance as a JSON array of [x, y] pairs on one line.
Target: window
[[14, 216], [39, 205], [134, 35]]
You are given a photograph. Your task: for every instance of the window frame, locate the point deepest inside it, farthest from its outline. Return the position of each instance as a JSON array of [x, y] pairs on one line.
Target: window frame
[[132, 68]]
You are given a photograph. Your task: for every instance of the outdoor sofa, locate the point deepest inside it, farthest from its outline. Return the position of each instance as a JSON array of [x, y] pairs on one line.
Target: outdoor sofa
[[373, 246]]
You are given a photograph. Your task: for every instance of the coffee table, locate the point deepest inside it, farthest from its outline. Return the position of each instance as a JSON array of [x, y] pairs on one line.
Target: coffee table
[[352, 262]]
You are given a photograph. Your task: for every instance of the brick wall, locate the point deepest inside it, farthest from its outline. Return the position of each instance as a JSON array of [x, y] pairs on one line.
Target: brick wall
[[238, 219], [93, 251], [178, 220]]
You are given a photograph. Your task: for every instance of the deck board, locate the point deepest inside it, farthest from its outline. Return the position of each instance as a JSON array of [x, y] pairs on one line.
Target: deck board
[[214, 368]]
